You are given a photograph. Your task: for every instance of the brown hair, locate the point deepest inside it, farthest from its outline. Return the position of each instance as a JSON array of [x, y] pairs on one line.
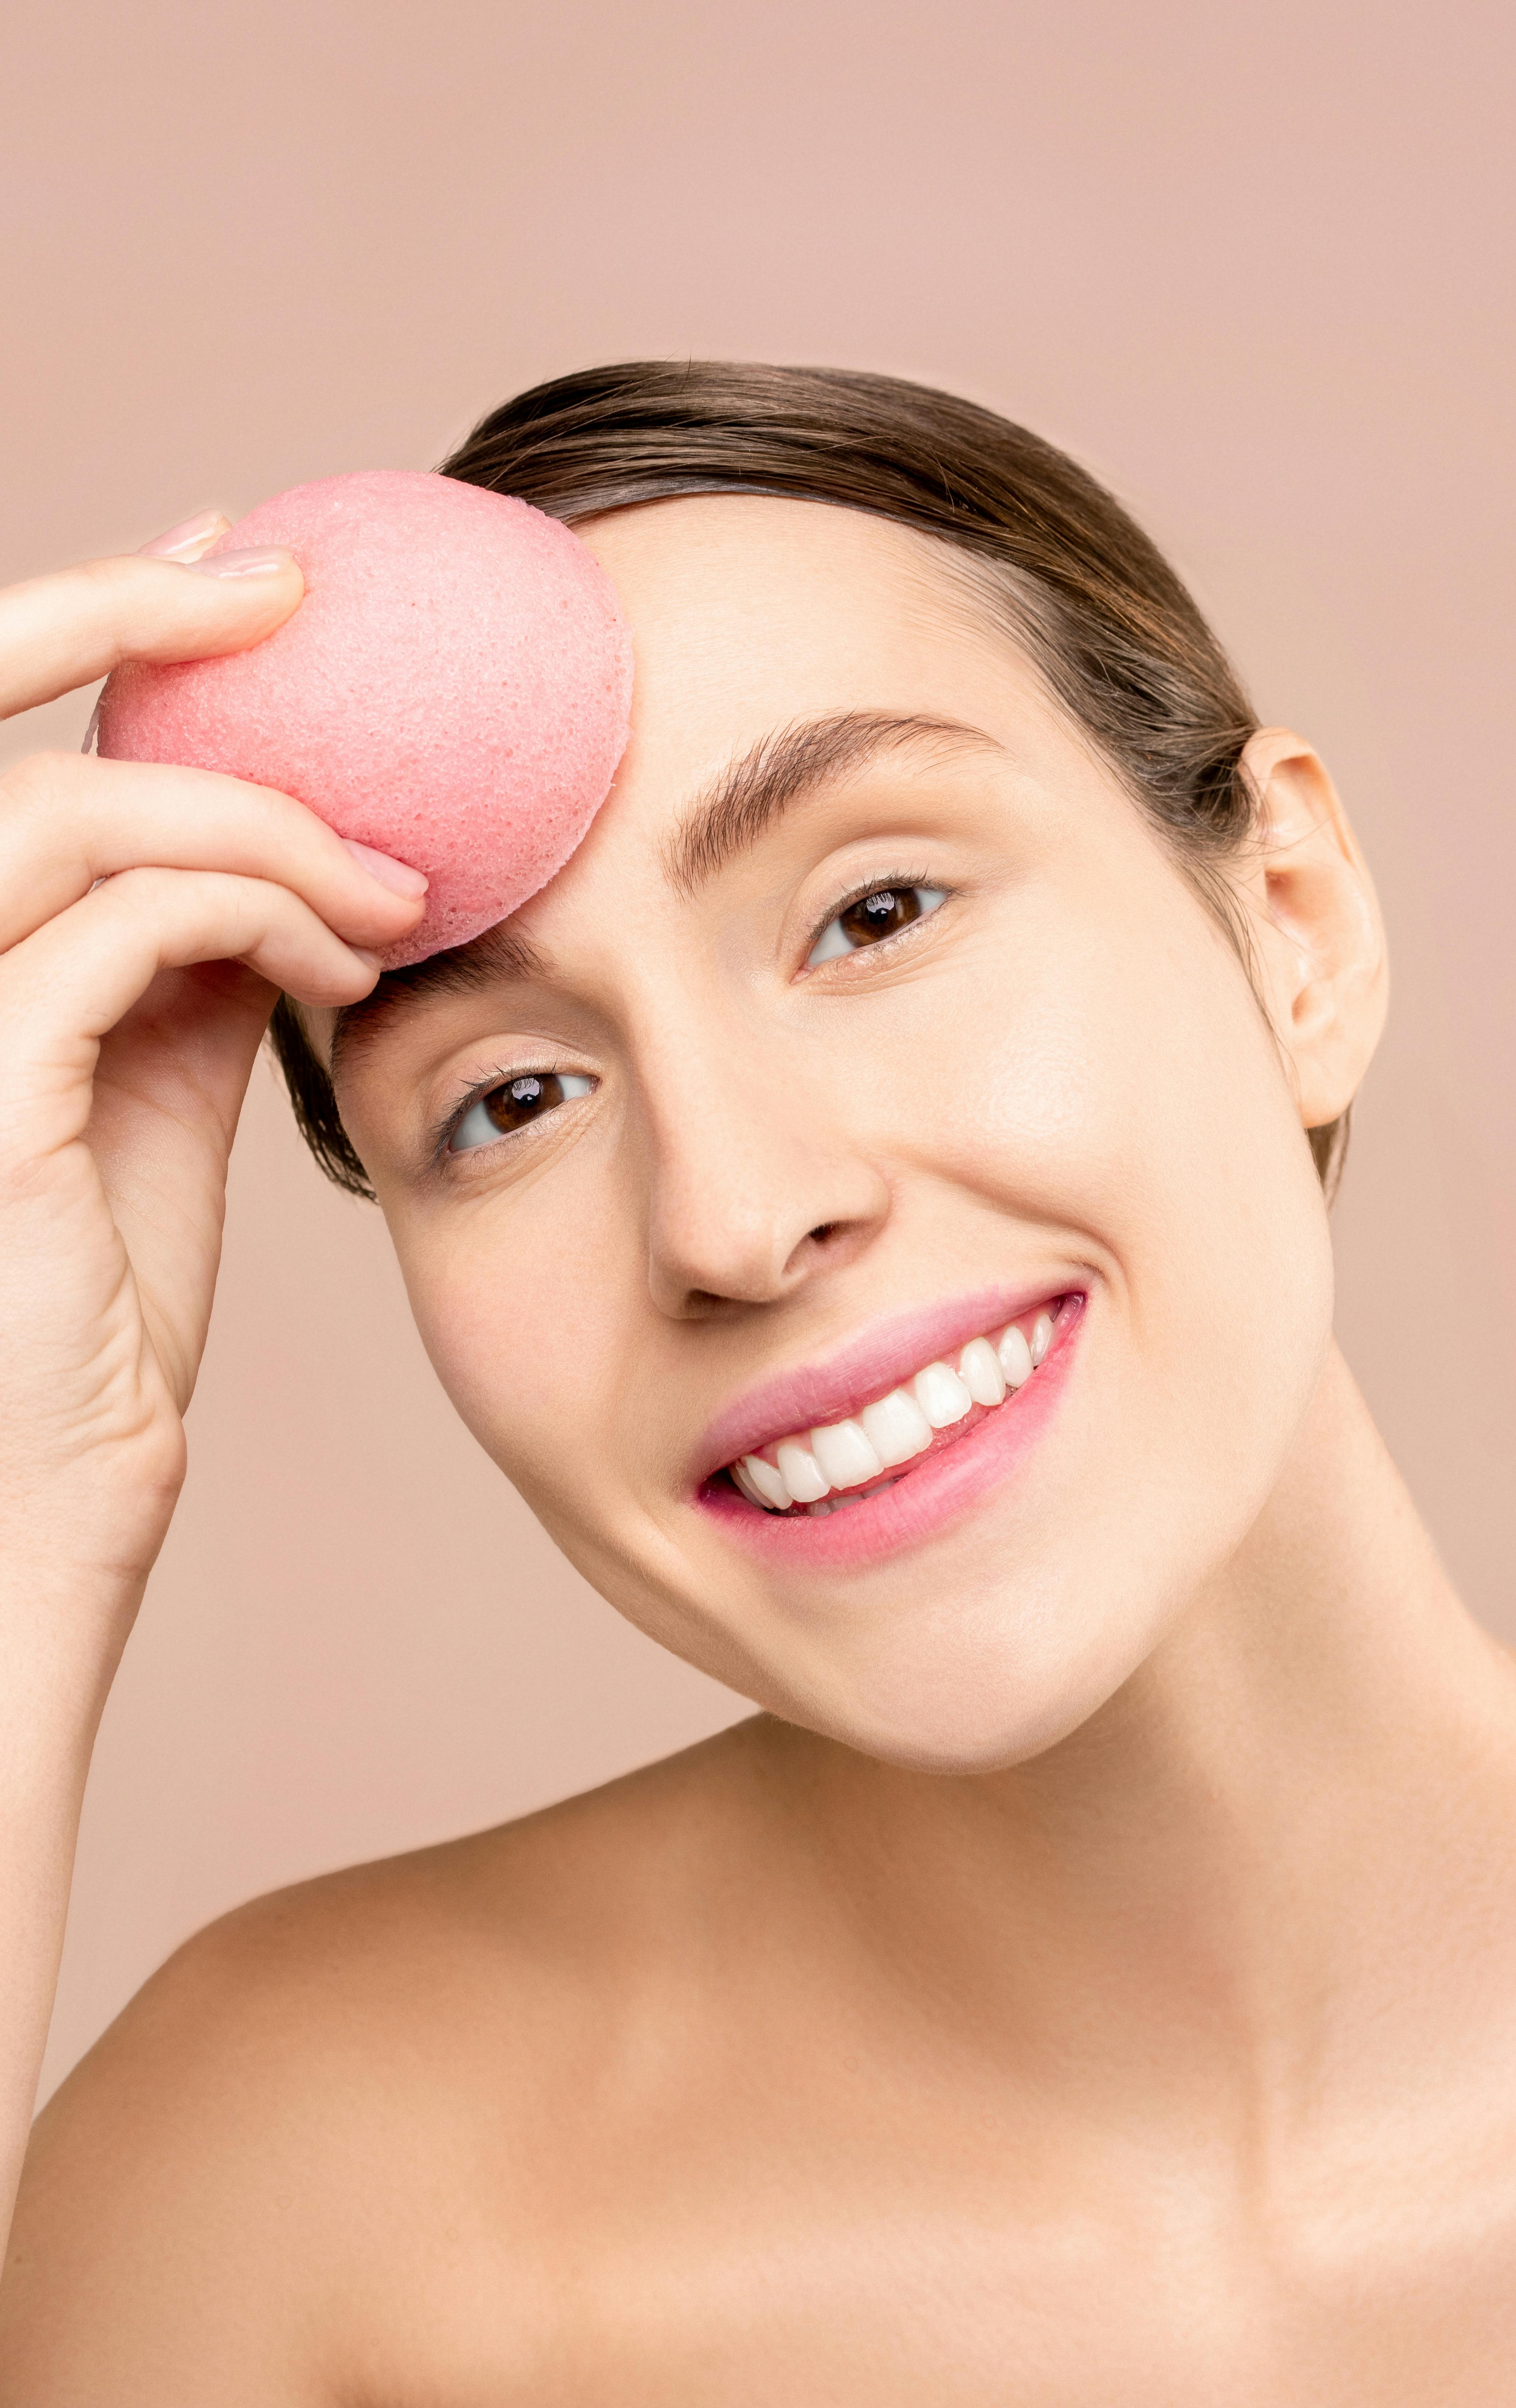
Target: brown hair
[[1104, 618]]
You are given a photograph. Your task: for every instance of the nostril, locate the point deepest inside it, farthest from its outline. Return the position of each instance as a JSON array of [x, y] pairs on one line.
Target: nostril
[[823, 1231]]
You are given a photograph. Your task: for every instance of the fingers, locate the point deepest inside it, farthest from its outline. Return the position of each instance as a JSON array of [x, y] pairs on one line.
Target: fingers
[[78, 976], [65, 630], [67, 820]]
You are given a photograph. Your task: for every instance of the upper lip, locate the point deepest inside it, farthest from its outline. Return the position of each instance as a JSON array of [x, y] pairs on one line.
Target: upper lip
[[888, 1351]]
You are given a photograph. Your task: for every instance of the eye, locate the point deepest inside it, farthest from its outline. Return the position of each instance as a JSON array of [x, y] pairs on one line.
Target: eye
[[515, 1104], [883, 912]]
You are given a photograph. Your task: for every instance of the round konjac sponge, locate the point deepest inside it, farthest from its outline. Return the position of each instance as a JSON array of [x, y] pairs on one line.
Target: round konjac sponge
[[453, 689]]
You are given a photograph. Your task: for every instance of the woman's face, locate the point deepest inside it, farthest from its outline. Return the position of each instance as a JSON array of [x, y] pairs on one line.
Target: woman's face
[[870, 1020]]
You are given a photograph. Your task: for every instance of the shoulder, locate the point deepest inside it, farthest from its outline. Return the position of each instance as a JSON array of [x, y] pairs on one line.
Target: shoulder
[[356, 2085]]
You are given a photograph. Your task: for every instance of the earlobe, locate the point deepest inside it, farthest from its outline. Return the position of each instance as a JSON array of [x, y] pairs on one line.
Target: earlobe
[[1316, 927]]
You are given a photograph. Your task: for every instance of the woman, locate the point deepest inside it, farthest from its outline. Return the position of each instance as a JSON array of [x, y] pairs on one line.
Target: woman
[[873, 1205]]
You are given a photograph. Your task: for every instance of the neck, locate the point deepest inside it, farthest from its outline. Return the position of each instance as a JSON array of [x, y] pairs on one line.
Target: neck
[[1302, 1795]]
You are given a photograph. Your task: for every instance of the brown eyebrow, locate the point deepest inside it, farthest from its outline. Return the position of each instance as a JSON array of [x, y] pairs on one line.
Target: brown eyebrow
[[500, 953], [783, 767]]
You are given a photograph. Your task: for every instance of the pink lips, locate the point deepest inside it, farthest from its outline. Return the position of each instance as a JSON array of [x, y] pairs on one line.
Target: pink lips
[[867, 1367], [929, 1492]]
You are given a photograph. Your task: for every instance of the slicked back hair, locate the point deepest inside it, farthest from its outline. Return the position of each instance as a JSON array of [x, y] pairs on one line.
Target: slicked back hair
[[1088, 597]]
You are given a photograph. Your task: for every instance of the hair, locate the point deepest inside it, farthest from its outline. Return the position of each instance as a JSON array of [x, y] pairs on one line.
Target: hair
[[1103, 617]]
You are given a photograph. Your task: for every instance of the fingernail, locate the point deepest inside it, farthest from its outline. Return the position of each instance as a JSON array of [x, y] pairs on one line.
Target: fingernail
[[243, 564], [190, 537], [397, 875]]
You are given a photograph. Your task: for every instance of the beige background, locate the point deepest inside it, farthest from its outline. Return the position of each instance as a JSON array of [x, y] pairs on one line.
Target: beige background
[[1249, 263]]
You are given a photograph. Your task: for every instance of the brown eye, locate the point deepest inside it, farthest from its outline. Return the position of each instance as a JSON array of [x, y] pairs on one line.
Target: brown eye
[[872, 917], [515, 1104]]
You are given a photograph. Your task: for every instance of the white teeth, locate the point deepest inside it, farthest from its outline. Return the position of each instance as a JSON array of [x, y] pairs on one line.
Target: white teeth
[[896, 1428], [844, 1456], [1014, 1358], [801, 1472], [980, 1373], [941, 1394], [745, 1484], [848, 1455], [761, 1484]]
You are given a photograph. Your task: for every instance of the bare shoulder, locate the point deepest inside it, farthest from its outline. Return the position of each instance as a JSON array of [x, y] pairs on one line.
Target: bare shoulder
[[365, 2093]]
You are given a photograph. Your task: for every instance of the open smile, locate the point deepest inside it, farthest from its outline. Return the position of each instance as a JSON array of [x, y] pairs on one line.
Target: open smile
[[900, 1455], [825, 1470]]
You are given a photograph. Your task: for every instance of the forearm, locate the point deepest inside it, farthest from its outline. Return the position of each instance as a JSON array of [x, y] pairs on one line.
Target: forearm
[[52, 1688]]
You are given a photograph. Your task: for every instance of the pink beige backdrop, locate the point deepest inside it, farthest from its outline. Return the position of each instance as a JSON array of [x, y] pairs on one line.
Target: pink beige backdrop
[[1250, 264]]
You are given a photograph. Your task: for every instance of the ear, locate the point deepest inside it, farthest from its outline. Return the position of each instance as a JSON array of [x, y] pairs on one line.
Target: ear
[[1316, 925]]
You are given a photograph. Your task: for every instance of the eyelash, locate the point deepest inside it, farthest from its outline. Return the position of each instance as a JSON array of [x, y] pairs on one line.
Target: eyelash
[[879, 885]]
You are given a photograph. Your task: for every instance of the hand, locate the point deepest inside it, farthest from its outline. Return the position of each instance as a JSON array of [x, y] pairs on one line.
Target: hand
[[148, 919]]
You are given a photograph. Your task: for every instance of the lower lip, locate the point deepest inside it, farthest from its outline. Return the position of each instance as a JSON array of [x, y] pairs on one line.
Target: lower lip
[[939, 1489]]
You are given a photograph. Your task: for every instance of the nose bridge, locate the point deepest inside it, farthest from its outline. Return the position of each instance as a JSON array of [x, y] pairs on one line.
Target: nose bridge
[[754, 1175]]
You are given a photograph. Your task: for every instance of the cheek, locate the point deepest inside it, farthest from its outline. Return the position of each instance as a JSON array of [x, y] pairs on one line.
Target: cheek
[[1120, 1102], [510, 1300], [1089, 1064], [529, 1317]]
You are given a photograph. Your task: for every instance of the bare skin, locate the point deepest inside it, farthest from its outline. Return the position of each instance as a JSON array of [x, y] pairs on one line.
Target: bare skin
[[1095, 1978]]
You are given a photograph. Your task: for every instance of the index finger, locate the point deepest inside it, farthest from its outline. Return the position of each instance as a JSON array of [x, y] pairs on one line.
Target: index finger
[[77, 624]]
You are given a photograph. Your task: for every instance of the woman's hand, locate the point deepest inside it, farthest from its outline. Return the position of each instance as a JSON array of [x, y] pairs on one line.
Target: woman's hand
[[148, 919]]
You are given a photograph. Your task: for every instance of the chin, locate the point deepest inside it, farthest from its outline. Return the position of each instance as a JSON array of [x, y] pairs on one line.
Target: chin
[[978, 1683]]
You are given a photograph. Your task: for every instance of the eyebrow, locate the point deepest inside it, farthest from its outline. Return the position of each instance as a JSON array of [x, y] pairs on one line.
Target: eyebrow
[[783, 767], [500, 953]]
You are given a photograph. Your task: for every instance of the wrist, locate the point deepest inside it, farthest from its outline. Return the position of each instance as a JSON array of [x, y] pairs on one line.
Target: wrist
[[62, 1632]]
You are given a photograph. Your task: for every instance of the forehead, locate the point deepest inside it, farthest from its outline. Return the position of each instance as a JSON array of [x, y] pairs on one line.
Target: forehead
[[749, 612]]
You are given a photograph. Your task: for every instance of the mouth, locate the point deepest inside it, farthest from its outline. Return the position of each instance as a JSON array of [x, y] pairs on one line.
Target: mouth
[[885, 1434]]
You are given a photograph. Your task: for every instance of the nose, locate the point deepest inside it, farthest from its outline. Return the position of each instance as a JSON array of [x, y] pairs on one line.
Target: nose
[[755, 1187]]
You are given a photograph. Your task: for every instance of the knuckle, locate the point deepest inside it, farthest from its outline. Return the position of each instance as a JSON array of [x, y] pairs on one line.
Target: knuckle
[[104, 592], [142, 888], [32, 784], [38, 813], [104, 574], [195, 905], [26, 1179], [111, 578], [125, 600]]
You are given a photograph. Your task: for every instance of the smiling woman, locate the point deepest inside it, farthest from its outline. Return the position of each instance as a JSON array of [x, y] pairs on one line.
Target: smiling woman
[[872, 1203]]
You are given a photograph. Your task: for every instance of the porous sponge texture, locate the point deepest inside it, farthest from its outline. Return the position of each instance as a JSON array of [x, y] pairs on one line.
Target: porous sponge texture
[[453, 690]]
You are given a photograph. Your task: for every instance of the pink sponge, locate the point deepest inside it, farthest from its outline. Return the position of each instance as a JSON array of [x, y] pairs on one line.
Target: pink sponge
[[453, 689]]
